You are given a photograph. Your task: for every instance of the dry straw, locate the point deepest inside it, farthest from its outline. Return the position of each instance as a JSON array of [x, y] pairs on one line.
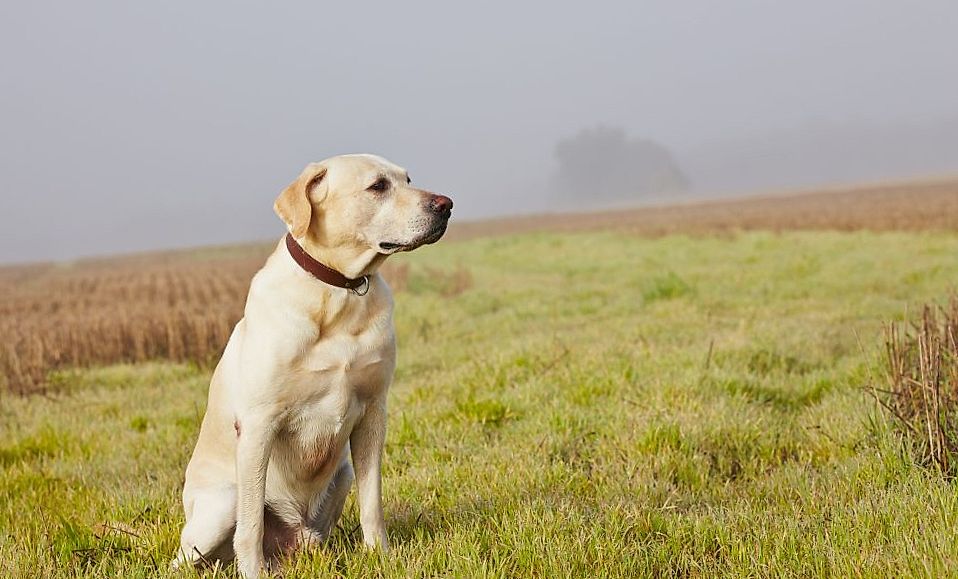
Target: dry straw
[[167, 307], [921, 396]]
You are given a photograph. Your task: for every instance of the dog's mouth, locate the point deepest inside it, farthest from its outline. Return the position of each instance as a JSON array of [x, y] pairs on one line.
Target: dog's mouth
[[390, 247], [432, 236]]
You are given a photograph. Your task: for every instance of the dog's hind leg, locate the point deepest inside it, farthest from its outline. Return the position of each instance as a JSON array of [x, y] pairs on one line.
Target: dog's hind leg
[[207, 537], [330, 508]]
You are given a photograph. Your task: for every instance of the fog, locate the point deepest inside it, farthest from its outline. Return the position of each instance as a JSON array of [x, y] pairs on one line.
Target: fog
[[129, 126]]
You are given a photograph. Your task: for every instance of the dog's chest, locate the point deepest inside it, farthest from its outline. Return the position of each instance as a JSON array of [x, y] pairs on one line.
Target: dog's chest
[[334, 373], [318, 428], [359, 363]]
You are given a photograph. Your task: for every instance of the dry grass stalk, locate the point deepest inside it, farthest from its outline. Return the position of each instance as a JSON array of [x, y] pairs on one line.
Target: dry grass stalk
[[922, 393]]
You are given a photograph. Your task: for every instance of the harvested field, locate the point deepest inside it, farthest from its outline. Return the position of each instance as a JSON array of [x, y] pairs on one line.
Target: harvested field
[[130, 310], [179, 307], [919, 206], [182, 306]]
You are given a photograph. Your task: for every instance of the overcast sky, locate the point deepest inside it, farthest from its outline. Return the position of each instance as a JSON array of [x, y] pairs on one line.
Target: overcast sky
[[131, 125]]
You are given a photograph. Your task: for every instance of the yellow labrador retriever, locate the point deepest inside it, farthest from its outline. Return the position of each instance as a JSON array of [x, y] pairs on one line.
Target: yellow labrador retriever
[[302, 383]]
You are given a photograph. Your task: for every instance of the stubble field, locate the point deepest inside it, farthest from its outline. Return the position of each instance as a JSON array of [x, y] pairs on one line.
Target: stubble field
[[631, 401]]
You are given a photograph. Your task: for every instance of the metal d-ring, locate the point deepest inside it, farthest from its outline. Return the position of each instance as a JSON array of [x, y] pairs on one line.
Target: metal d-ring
[[363, 288]]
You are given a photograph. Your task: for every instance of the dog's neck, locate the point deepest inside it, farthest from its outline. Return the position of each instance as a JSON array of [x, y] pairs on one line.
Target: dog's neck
[[351, 263]]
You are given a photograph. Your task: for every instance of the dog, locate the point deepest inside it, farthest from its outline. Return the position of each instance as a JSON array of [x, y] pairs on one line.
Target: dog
[[301, 386]]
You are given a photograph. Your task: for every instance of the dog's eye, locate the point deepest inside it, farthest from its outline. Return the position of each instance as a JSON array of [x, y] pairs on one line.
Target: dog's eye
[[408, 179], [379, 186]]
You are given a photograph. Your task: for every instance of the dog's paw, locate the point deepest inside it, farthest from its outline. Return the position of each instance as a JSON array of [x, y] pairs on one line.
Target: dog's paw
[[376, 543], [251, 570]]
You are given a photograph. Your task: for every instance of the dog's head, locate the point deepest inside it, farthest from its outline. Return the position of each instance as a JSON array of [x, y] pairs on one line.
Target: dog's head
[[363, 203]]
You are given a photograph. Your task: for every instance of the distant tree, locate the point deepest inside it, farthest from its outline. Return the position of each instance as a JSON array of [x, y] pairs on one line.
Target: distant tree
[[603, 164]]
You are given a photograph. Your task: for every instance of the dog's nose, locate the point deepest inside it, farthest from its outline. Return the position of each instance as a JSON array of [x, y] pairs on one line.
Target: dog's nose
[[440, 204]]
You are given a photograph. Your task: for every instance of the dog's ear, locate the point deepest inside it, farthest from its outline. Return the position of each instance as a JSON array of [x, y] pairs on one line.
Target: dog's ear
[[294, 206]]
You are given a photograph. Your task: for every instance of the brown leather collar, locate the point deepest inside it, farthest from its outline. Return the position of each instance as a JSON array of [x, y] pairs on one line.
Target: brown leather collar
[[324, 273]]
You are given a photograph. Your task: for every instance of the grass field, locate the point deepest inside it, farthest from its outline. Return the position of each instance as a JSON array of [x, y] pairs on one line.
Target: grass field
[[594, 404]]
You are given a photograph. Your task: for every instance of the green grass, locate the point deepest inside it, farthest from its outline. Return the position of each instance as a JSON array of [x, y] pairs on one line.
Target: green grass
[[594, 405]]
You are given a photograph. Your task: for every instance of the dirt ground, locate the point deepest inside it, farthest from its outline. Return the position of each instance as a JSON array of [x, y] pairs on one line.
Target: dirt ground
[[925, 205]]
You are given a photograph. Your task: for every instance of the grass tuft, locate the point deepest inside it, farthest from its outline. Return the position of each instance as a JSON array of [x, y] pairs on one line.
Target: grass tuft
[[487, 411], [48, 442], [667, 287]]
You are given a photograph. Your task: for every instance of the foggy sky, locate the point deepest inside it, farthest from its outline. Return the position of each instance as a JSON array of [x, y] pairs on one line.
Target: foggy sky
[[130, 126]]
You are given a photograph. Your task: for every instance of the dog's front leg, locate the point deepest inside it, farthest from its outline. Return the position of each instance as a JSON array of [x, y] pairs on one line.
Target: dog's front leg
[[252, 459], [366, 444]]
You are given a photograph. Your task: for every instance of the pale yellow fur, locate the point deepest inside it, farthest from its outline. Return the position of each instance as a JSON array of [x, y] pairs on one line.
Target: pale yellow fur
[[301, 387]]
